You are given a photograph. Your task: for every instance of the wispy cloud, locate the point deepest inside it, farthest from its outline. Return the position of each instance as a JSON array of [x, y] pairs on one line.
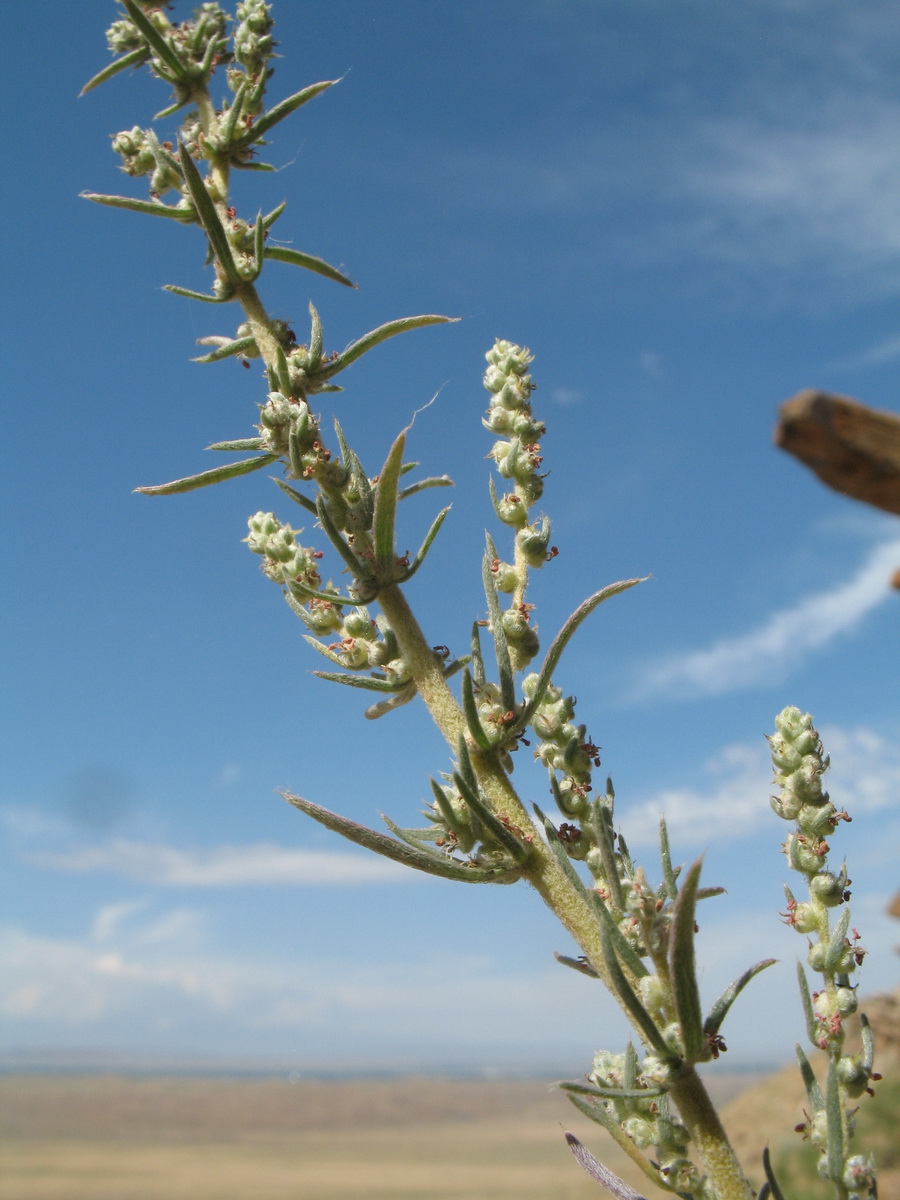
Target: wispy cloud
[[885, 351], [731, 801], [782, 642], [223, 866]]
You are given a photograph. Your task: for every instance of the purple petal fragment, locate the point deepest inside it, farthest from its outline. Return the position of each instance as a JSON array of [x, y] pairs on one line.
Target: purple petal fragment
[[606, 1178]]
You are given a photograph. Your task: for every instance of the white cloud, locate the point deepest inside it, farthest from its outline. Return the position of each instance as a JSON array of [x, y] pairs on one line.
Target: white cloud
[[733, 800], [223, 866], [885, 351], [782, 642]]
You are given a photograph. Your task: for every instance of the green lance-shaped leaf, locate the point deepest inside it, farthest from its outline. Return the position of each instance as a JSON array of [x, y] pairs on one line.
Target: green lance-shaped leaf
[[464, 762], [625, 952], [282, 376], [190, 294], [229, 125], [605, 837], [270, 218], [300, 589], [255, 443], [774, 1191], [420, 486], [259, 248], [834, 1110], [719, 1010], [229, 350], [477, 657], [641, 1019], [470, 712], [315, 336], [159, 44], [501, 646], [209, 218], [368, 683], [562, 639], [438, 863], [340, 544], [443, 806], [358, 348], [206, 478], [683, 969], [836, 943], [867, 1058], [612, 1093], [665, 857], [133, 59], [386, 508], [283, 109], [309, 262], [519, 849], [398, 851], [297, 497], [420, 554], [813, 1091], [153, 208], [559, 853]]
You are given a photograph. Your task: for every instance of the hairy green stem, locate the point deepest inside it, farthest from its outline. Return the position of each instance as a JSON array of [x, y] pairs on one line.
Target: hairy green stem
[[548, 879]]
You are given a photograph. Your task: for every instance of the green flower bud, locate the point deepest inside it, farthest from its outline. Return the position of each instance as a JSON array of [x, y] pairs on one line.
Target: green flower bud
[[506, 577], [358, 624], [859, 1175], [640, 1131], [804, 917], [828, 888], [534, 543]]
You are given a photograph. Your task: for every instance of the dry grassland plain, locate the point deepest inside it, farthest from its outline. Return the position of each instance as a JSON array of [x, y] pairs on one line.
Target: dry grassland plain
[[119, 1137]]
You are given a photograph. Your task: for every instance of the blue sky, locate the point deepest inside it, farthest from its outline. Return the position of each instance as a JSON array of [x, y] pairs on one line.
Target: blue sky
[[688, 212]]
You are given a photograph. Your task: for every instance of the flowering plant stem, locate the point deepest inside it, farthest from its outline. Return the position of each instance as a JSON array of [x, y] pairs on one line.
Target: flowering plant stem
[[635, 937]]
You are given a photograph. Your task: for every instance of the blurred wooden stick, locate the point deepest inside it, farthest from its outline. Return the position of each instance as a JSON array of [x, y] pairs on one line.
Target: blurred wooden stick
[[852, 448]]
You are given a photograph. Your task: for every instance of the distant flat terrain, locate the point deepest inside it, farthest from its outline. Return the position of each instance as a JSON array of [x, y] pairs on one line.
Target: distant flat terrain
[[133, 1137], [169, 1137]]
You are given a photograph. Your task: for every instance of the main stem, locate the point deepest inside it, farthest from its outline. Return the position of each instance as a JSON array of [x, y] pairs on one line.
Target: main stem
[[547, 877]]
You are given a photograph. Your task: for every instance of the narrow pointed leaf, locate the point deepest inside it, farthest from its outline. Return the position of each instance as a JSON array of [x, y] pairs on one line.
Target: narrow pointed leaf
[[259, 246], [665, 857], [774, 1190], [719, 1010], [358, 348], [190, 294], [206, 478], [597, 1113], [640, 1018], [371, 839], [432, 482], [834, 1110], [308, 261], [315, 335], [440, 864], [270, 218], [386, 507], [470, 711], [238, 445], [282, 374], [559, 852], [281, 110], [367, 683], [397, 700], [229, 350], [209, 218], [154, 208], [606, 1178], [158, 44], [133, 59], [518, 848], [297, 497], [707, 893], [337, 540], [477, 658], [625, 952], [501, 646], [813, 1091], [683, 969], [226, 131], [836, 942], [612, 1093], [562, 639], [426, 544], [314, 593], [806, 1002]]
